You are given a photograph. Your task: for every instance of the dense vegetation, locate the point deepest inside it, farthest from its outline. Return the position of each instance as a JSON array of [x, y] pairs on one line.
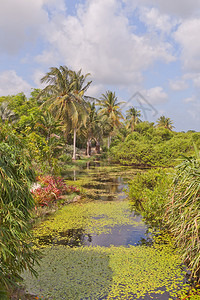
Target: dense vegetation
[[16, 202], [42, 133], [149, 145], [170, 199]]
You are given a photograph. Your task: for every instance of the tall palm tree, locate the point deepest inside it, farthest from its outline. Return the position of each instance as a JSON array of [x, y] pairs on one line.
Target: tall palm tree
[[165, 122], [93, 128], [132, 118], [110, 108], [65, 90]]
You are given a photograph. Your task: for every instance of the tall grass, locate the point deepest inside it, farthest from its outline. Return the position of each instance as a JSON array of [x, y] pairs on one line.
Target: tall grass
[[183, 211], [16, 253]]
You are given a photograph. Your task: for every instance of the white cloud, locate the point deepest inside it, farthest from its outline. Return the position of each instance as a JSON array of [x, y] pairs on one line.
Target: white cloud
[[189, 99], [183, 8], [95, 90], [196, 80], [11, 84], [48, 58], [99, 40], [178, 85], [20, 21], [37, 75], [154, 20], [187, 36], [155, 95]]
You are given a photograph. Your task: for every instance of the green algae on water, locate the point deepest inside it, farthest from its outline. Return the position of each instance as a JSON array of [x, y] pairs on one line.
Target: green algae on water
[[93, 217], [106, 273]]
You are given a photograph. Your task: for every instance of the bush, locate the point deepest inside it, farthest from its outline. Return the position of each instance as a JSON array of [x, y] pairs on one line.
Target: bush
[[51, 190], [16, 202], [183, 211], [148, 193], [149, 146]]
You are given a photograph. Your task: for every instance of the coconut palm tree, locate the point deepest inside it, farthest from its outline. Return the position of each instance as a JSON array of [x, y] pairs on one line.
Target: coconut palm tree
[[93, 128], [6, 114], [110, 108], [65, 92], [132, 118], [165, 122]]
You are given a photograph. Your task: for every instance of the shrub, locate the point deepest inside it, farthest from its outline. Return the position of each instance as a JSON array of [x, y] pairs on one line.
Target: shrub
[[51, 189], [148, 193], [16, 202], [183, 211]]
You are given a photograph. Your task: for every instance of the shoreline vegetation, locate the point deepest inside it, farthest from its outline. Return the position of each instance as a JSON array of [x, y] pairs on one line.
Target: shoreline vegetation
[[40, 140]]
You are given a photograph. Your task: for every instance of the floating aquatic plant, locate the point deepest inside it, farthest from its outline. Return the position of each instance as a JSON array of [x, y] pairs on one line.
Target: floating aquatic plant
[[107, 273], [94, 217]]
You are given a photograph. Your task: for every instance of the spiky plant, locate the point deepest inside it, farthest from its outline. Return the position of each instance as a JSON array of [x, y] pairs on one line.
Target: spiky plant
[[183, 211]]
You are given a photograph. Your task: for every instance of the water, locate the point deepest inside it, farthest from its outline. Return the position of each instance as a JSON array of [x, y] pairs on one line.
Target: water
[[71, 274], [104, 187]]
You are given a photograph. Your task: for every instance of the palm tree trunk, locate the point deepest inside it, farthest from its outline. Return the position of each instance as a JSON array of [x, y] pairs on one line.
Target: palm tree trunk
[[74, 152], [97, 146], [88, 151]]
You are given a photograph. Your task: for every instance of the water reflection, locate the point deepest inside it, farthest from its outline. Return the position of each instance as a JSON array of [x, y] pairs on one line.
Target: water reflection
[[119, 235], [70, 237]]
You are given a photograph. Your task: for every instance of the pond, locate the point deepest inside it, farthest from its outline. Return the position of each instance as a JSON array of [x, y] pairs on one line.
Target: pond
[[101, 248]]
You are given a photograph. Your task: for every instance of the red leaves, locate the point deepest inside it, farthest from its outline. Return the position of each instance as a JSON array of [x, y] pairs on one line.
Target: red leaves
[[52, 188]]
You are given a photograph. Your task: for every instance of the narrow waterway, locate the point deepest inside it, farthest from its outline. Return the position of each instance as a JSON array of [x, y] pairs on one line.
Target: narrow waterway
[[100, 248]]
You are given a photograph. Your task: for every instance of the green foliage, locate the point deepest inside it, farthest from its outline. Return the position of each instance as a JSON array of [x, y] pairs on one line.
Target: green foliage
[[165, 122], [148, 193], [183, 211], [16, 202], [151, 146]]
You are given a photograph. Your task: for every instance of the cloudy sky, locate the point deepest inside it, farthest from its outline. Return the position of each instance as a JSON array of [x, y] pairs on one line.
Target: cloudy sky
[[129, 46]]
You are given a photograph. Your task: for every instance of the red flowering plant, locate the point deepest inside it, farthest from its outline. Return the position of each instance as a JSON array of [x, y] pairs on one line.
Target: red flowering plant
[[51, 189]]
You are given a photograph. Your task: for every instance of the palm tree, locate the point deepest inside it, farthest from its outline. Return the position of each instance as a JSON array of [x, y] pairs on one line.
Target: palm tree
[[165, 122], [93, 128], [48, 125], [110, 108], [65, 90], [6, 114], [132, 118]]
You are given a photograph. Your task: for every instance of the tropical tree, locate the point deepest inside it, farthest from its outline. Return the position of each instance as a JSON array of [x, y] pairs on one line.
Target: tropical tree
[[50, 140], [165, 122], [132, 118], [110, 109], [65, 92], [93, 128], [6, 114]]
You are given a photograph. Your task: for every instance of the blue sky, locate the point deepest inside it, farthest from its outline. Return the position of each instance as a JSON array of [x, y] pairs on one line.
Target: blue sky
[[146, 46]]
